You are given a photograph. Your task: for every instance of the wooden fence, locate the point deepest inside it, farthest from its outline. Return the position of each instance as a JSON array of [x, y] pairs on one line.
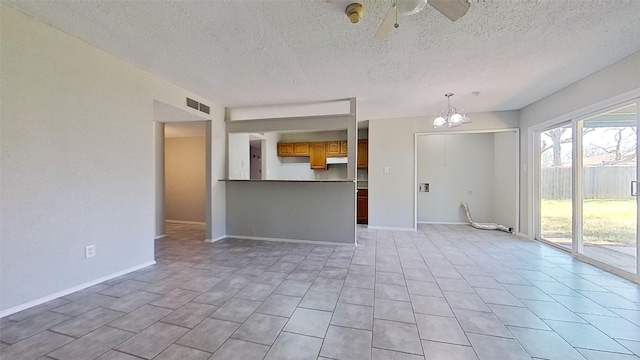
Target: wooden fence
[[602, 182]]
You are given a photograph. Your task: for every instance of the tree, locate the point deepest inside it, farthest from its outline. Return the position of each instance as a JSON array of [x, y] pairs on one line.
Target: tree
[[618, 148], [556, 136], [556, 144]]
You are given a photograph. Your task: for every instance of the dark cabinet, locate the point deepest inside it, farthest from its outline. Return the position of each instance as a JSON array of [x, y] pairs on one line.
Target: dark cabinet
[[363, 206]]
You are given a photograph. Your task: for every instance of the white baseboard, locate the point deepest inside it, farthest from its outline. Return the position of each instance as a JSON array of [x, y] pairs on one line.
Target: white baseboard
[[260, 238], [186, 222], [160, 236], [42, 300], [443, 222], [391, 228], [216, 239], [524, 236]]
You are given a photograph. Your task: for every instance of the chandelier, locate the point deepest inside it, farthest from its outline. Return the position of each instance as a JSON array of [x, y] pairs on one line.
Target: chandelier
[[451, 117]]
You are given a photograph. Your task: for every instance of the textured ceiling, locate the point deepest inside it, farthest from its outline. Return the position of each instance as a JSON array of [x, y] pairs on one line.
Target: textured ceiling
[[244, 53]]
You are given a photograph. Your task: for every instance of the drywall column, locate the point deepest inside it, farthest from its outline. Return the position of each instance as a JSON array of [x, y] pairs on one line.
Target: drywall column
[[159, 144], [208, 167]]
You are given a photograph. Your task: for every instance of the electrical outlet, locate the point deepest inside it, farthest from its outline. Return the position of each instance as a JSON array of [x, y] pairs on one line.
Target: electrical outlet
[[90, 251], [386, 170]]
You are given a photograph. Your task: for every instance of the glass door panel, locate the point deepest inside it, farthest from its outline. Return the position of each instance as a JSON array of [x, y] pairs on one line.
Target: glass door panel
[[609, 210], [556, 164]]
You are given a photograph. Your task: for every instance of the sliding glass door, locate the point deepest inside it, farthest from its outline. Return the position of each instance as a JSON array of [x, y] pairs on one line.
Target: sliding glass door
[[555, 186], [587, 186], [608, 174]]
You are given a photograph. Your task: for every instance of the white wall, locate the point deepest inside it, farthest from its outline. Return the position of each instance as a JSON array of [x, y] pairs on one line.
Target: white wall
[[185, 175], [505, 179], [459, 168], [615, 83], [391, 144], [272, 162], [239, 156], [314, 136], [77, 162], [159, 170]]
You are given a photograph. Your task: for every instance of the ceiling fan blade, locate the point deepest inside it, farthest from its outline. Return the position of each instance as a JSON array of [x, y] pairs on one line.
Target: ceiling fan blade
[[453, 9], [387, 24]]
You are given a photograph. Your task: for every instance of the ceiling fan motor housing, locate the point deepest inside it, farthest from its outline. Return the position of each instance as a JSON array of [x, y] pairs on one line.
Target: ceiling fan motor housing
[[354, 12]]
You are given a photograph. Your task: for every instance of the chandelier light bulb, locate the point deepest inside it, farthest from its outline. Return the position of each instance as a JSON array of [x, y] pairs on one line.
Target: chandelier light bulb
[[455, 118], [439, 121]]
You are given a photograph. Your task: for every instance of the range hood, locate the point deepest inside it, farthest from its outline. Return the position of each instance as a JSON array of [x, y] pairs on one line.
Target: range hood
[[337, 160]]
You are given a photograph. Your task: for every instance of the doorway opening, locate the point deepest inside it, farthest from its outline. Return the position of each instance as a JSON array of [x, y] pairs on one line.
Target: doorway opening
[[183, 162], [477, 168]]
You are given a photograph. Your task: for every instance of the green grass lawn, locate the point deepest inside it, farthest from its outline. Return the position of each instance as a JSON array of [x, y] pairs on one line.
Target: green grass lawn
[[605, 221]]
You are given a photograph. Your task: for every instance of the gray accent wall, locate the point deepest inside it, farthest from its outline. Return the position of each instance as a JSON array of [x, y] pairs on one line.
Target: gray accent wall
[[312, 211]]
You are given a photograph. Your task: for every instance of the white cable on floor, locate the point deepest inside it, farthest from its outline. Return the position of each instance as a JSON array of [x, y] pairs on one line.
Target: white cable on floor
[[484, 226]]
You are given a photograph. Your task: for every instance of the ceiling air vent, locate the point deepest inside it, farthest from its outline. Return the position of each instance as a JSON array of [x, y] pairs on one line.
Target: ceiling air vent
[[198, 106], [192, 103]]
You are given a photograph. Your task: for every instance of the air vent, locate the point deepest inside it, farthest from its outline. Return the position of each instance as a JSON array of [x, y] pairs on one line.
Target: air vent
[[192, 103], [198, 106]]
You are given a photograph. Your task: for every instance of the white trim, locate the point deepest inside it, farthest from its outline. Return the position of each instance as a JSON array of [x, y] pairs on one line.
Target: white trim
[[391, 228], [161, 236], [443, 222], [523, 235], [186, 222], [299, 241], [216, 239], [42, 300]]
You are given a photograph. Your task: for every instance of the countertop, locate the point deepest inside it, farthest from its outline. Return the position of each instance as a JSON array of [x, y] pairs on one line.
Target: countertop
[[293, 180]]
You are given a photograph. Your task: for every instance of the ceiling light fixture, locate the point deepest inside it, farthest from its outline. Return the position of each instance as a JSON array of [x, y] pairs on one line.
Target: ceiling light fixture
[[451, 117], [410, 7]]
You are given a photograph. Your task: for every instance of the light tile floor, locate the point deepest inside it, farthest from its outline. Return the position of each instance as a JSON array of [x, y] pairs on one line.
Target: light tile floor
[[444, 292]]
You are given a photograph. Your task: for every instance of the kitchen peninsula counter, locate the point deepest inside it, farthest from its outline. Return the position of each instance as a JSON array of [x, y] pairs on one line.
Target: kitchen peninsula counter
[[313, 211]]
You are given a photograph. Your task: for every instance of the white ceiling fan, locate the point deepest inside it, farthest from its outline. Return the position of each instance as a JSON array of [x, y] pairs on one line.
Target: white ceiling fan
[[452, 9]]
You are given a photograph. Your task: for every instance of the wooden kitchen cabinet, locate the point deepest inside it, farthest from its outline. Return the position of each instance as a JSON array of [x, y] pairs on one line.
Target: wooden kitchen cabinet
[[285, 149], [293, 149], [337, 148], [343, 148], [363, 206], [318, 155], [301, 149], [362, 154], [333, 148]]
